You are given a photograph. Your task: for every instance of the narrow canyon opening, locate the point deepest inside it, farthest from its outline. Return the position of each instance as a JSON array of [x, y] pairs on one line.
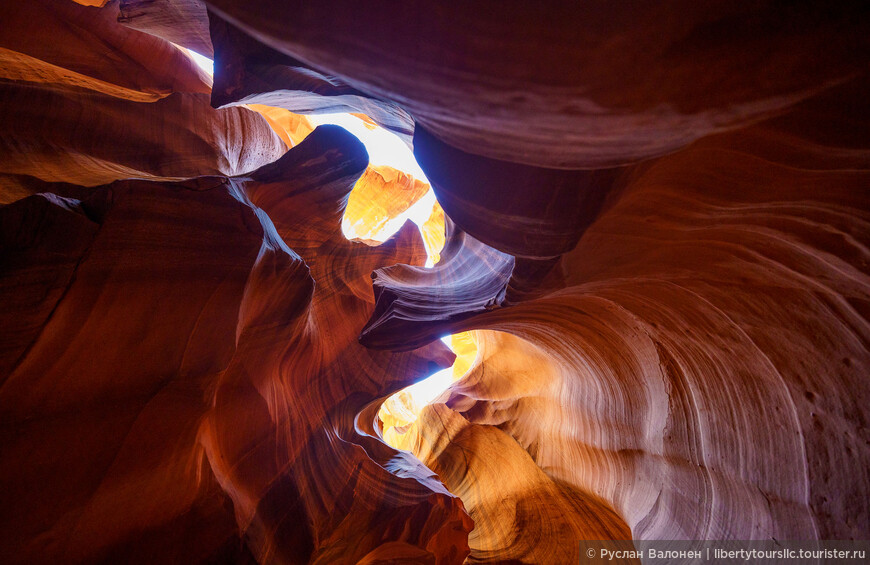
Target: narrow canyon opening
[[393, 190], [401, 410], [237, 325]]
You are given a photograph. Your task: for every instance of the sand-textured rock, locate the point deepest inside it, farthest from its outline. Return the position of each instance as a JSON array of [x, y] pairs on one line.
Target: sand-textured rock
[[88, 101], [656, 229], [204, 377], [704, 371], [590, 86], [250, 72]]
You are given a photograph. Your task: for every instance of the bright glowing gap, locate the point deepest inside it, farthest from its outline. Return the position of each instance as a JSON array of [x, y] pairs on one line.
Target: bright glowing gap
[[384, 147], [430, 388], [201, 61], [386, 150], [400, 411]]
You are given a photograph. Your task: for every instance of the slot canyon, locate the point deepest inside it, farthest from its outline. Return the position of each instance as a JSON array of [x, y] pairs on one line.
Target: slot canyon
[[616, 287]]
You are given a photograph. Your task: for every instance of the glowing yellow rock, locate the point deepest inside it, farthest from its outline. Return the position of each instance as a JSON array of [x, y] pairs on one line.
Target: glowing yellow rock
[[291, 128], [381, 194], [465, 347], [400, 411], [433, 233]]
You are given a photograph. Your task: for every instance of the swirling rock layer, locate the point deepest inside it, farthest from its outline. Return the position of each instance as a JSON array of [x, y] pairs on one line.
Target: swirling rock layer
[[580, 87], [193, 334], [89, 101], [705, 369], [657, 227]]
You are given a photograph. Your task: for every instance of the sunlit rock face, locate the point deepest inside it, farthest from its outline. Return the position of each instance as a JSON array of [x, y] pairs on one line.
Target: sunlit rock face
[[291, 128], [380, 195], [655, 229], [399, 413]]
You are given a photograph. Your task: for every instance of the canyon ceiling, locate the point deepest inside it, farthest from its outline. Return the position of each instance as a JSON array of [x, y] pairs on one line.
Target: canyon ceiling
[[655, 227]]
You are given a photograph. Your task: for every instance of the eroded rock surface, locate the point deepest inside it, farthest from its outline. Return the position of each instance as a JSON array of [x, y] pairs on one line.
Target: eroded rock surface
[[657, 225]]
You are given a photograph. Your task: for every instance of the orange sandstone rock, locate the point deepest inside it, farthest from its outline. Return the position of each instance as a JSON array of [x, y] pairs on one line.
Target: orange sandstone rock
[[656, 224], [382, 193]]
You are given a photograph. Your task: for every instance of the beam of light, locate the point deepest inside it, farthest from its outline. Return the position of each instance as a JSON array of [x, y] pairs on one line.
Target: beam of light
[[202, 61], [430, 388]]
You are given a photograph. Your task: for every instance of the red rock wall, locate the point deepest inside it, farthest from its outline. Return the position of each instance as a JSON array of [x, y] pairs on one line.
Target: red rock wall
[[704, 370], [658, 228]]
